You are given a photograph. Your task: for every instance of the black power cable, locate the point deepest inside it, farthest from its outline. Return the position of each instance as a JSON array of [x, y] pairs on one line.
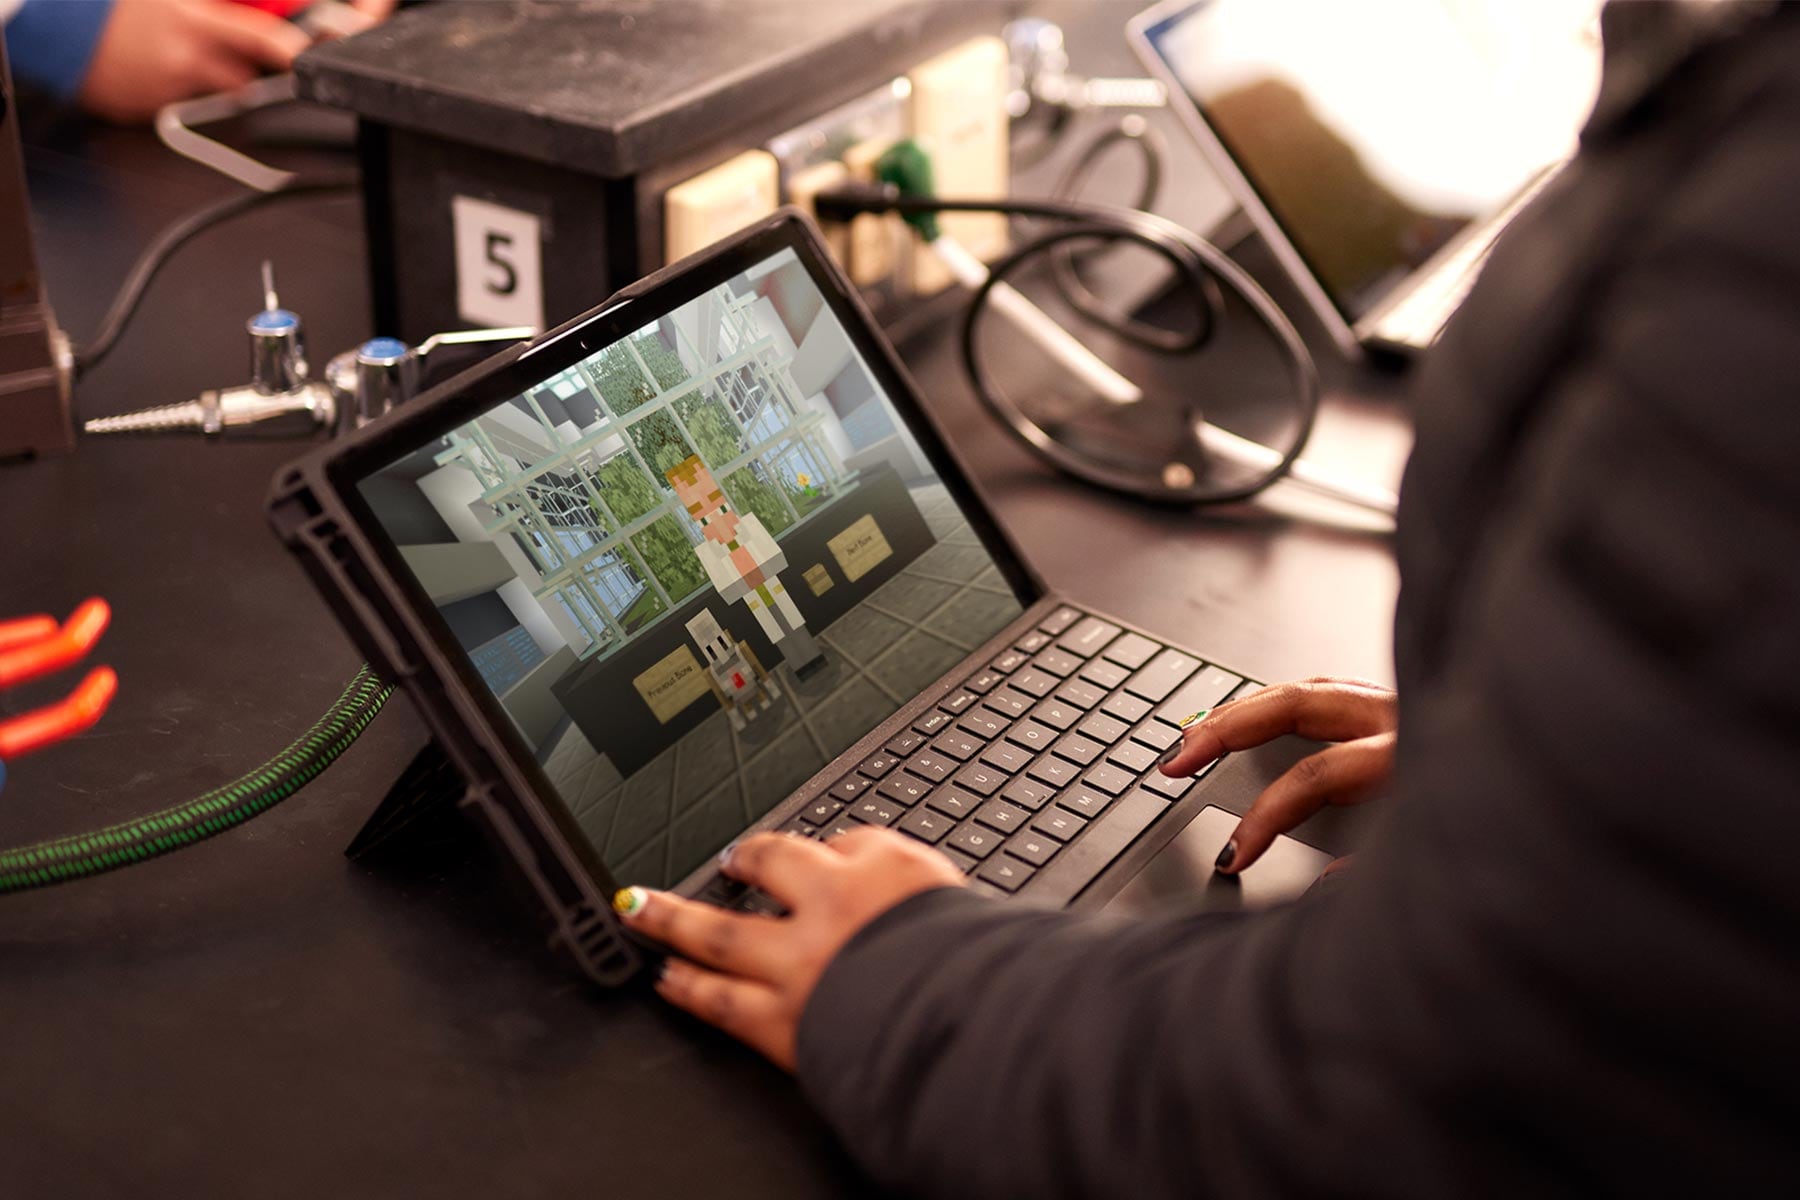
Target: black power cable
[[1187, 473], [1066, 262], [171, 239]]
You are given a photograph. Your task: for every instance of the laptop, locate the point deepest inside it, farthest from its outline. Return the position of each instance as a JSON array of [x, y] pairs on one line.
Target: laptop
[[1379, 148], [698, 563]]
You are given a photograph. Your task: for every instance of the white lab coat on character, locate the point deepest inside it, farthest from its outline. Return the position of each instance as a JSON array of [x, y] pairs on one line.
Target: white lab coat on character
[[754, 537]]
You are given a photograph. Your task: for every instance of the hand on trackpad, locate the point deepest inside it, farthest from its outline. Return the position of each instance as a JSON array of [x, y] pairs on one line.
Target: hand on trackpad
[[1181, 876]]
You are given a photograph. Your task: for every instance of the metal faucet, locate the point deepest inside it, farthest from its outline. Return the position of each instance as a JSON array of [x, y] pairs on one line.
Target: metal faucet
[[280, 399], [283, 400]]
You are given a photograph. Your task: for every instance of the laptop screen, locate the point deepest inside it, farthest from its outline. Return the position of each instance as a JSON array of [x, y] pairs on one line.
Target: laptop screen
[[1374, 132], [696, 566]]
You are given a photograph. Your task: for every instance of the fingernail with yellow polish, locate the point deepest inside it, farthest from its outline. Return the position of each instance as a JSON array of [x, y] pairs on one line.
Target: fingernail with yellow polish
[[630, 901]]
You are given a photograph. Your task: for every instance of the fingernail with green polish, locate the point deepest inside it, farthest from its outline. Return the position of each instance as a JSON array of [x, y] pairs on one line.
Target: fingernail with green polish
[[630, 901]]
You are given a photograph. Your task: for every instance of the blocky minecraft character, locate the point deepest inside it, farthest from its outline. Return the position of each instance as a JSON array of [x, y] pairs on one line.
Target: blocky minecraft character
[[744, 689], [745, 563]]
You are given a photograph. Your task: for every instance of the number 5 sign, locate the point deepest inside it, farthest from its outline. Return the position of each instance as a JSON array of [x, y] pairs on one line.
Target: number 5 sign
[[499, 264]]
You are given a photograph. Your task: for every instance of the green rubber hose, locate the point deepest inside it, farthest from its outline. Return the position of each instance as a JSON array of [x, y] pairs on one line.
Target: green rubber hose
[[158, 833]]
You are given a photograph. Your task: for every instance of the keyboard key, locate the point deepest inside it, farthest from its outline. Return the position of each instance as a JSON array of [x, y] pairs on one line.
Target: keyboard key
[[954, 801], [1103, 729], [1133, 757], [1033, 848], [1058, 825], [1104, 675], [906, 743], [1078, 749], [850, 787], [981, 779], [1169, 789], [1005, 872], [1080, 695], [1203, 692], [1156, 735], [932, 722], [799, 827], [1059, 663], [1032, 642], [1107, 837], [1056, 714], [1110, 779], [1007, 757], [1007, 663], [1059, 620], [962, 862], [840, 826], [929, 764], [1162, 675], [978, 841], [877, 765], [958, 745], [1053, 771], [1008, 703], [822, 810], [1027, 793], [1034, 682], [982, 723], [877, 810], [928, 826], [1084, 801], [983, 682], [1031, 734], [998, 814], [956, 704], [754, 901], [723, 890], [1127, 708], [1131, 651], [903, 789], [1087, 636]]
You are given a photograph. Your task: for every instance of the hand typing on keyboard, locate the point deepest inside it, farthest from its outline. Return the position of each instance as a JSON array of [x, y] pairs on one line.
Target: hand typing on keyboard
[[752, 974], [1360, 716]]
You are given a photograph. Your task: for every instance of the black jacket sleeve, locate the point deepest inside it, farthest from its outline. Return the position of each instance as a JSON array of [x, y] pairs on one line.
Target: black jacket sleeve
[[1567, 964]]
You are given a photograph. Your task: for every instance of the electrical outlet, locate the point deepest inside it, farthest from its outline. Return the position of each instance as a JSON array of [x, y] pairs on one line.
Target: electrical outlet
[[958, 114], [838, 146], [699, 211], [955, 105]]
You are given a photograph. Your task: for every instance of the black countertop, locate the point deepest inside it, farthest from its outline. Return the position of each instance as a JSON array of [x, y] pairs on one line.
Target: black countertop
[[257, 1015]]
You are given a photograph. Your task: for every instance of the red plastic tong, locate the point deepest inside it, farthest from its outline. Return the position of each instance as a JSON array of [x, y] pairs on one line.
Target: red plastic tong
[[34, 646]]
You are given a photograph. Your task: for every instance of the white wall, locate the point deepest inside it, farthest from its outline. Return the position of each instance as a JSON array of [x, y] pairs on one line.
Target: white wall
[[823, 352], [454, 492]]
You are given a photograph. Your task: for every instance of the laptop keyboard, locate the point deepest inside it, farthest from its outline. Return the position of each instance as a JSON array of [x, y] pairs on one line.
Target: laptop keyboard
[[1040, 766]]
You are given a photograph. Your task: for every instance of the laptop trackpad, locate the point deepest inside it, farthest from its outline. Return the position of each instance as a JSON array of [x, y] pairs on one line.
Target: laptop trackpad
[[1181, 876]]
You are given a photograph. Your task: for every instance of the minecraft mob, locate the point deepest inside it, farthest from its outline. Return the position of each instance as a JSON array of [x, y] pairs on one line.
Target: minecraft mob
[[744, 689], [744, 563]]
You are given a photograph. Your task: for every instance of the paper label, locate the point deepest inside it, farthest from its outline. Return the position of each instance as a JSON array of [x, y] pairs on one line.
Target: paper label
[[860, 548], [675, 682], [818, 579], [499, 263]]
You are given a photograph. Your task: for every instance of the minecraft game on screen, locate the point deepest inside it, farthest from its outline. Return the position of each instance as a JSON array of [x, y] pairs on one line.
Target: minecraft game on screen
[[696, 566]]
